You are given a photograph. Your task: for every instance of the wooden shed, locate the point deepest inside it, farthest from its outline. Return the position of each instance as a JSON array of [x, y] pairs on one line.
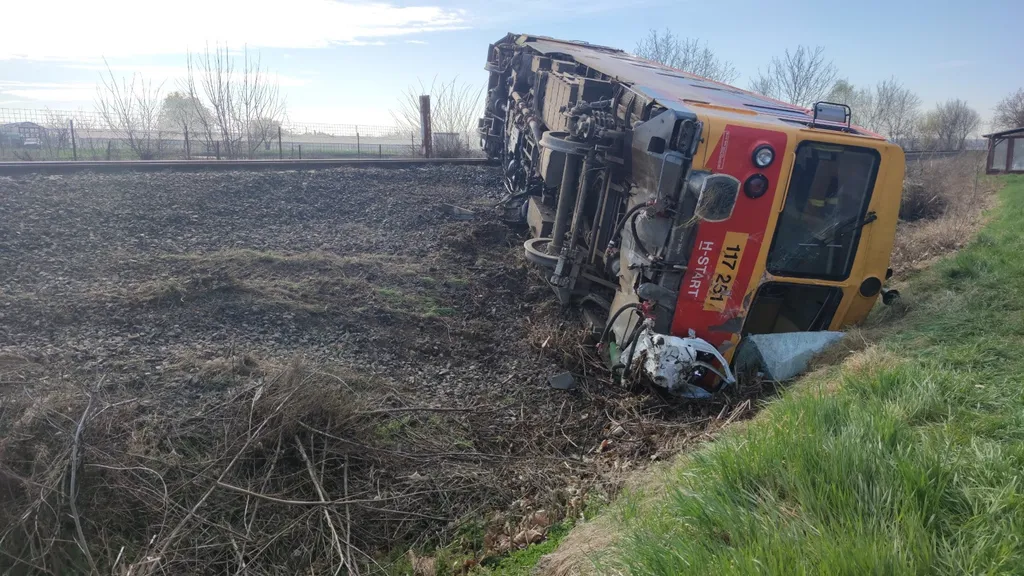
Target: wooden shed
[[1005, 152]]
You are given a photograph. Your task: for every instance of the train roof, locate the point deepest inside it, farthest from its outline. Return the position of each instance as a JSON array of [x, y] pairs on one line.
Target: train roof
[[677, 89]]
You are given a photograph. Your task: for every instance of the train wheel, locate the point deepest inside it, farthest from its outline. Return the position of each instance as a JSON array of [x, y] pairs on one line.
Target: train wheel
[[536, 252]]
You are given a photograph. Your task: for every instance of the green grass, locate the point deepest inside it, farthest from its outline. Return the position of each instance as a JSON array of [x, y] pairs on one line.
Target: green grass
[[521, 562], [907, 459]]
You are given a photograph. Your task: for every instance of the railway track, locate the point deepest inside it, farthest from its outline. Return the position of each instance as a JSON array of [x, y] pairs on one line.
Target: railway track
[[932, 154], [52, 167]]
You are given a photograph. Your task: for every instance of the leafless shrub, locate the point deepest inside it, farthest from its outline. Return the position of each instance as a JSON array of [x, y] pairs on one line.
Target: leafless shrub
[[239, 108], [942, 207], [920, 201], [801, 77], [686, 54], [131, 109], [1010, 111], [55, 139], [454, 109]]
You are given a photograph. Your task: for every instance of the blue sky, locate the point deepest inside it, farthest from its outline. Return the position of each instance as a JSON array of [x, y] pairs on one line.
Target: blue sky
[[346, 61]]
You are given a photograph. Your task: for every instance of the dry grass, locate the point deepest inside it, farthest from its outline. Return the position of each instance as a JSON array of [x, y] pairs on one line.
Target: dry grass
[[944, 200], [578, 553], [93, 482], [96, 486]]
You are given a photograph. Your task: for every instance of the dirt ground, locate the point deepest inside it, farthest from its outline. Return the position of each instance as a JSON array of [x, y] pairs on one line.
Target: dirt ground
[[204, 356]]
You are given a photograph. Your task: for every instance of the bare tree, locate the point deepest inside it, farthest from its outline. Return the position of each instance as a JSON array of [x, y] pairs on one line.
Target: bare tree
[[896, 113], [659, 47], [801, 77], [241, 109], [860, 100], [949, 125], [763, 85], [454, 109], [686, 54], [180, 113], [1010, 111], [889, 109], [131, 110]]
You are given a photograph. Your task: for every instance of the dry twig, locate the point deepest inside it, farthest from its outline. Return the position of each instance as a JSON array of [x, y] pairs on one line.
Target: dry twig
[[73, 489], [323, 499]]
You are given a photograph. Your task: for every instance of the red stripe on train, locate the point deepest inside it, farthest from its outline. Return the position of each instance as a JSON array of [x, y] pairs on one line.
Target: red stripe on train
[[732, 155]]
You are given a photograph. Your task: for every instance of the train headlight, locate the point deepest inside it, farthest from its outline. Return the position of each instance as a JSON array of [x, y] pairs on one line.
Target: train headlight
[[764, 156]]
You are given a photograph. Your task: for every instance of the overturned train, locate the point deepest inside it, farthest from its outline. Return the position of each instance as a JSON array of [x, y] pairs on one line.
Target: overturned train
[[709, 229]]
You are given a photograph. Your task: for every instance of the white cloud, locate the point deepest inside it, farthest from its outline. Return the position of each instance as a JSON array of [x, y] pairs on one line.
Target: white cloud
[[77, 30], [166, 75], [49, 91], [415, 42]]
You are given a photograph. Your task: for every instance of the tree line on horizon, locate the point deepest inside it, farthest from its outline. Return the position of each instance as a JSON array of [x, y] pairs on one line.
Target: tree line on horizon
[[804, 75]]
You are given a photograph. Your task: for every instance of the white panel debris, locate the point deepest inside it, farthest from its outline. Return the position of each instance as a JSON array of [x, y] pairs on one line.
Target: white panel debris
[[782, 356], [678, 364]]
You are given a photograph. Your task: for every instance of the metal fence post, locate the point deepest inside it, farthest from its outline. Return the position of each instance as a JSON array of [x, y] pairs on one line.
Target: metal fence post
[[300, 151], [425, 126], [358, 151], [188, 148], [380, 150], [74, 145], [280, 147], [110, 145], [217, 148]]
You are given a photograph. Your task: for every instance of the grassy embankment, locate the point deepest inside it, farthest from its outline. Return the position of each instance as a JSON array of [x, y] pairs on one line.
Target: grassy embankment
[[907, 458]]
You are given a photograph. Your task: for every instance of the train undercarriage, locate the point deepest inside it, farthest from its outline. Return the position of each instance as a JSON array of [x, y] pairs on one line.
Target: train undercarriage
[[593, 168]]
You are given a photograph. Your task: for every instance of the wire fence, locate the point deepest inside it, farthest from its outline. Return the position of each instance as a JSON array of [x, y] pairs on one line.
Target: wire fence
[[32, 134], [93, 149], [89, 120], [90, 148]]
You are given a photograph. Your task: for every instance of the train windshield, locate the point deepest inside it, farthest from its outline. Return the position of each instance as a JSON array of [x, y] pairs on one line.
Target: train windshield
[[825, 210]]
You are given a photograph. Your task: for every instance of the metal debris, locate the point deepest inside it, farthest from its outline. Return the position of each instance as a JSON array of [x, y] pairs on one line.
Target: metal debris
[[678, 364]]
